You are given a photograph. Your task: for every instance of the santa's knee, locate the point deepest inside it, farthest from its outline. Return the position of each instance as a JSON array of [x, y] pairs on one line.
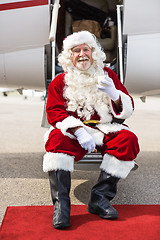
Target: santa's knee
[[130, 145]]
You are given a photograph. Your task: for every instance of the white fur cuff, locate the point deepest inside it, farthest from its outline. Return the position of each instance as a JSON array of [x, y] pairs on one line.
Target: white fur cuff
[[115, 167], [69, 122], [58, 161], [127, 106]]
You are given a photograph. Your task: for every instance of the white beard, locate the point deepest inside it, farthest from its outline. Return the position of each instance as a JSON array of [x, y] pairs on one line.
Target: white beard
[[83, 65], [83, 96]]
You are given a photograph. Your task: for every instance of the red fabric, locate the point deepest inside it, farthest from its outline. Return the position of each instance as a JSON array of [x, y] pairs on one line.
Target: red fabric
[[123, 145], [59, 143], [124, 149], [35, 223], [56, 104]]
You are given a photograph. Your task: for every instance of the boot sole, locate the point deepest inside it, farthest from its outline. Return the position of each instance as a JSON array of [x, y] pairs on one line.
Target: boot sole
[[106, 216], [61, 226]]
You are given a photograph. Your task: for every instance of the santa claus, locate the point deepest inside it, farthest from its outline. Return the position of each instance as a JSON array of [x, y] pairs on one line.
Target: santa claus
[[86, 107]]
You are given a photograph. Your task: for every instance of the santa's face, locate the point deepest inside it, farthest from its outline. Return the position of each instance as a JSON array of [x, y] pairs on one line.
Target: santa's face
[[82, 57]]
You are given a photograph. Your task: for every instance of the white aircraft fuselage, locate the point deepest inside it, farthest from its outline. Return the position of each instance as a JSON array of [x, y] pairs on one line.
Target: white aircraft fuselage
[[24, 32]]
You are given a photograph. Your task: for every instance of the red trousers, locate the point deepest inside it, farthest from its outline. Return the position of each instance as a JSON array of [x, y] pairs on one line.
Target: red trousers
[[122, 144]]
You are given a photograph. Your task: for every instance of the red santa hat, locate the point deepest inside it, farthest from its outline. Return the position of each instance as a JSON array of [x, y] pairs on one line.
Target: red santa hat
[[78, 38]]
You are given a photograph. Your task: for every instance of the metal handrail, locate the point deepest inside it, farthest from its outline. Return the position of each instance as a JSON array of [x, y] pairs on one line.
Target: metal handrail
[[120, 46]]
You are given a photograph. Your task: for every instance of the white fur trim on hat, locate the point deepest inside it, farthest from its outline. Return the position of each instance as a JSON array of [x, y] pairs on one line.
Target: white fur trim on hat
[[79, 38], [127, 106], [58, 161], [115, 167]]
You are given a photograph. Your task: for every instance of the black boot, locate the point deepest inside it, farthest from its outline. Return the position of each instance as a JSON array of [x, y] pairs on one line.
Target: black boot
[[101, 194], [60, 183]]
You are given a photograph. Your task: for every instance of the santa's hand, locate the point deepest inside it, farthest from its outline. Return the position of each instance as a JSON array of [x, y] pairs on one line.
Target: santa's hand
[[109, 87], [85, 140]]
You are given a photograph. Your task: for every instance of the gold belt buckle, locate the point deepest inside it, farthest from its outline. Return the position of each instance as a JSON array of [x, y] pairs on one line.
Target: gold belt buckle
[[91, 123]]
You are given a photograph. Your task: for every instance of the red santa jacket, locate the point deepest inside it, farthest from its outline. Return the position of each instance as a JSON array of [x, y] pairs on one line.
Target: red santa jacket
[[59, 117]]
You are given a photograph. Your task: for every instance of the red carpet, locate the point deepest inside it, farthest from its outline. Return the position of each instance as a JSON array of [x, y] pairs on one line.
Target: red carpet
[[35, 223]]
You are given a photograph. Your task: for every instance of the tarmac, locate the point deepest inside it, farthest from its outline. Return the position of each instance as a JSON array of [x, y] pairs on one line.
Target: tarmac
[[22, 181]]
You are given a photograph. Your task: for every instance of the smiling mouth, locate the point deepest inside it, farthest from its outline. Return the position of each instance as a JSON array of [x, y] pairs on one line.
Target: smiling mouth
[[82, 59]]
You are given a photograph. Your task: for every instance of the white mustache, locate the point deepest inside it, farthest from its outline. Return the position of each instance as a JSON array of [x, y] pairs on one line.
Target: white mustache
[[82, 59]]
